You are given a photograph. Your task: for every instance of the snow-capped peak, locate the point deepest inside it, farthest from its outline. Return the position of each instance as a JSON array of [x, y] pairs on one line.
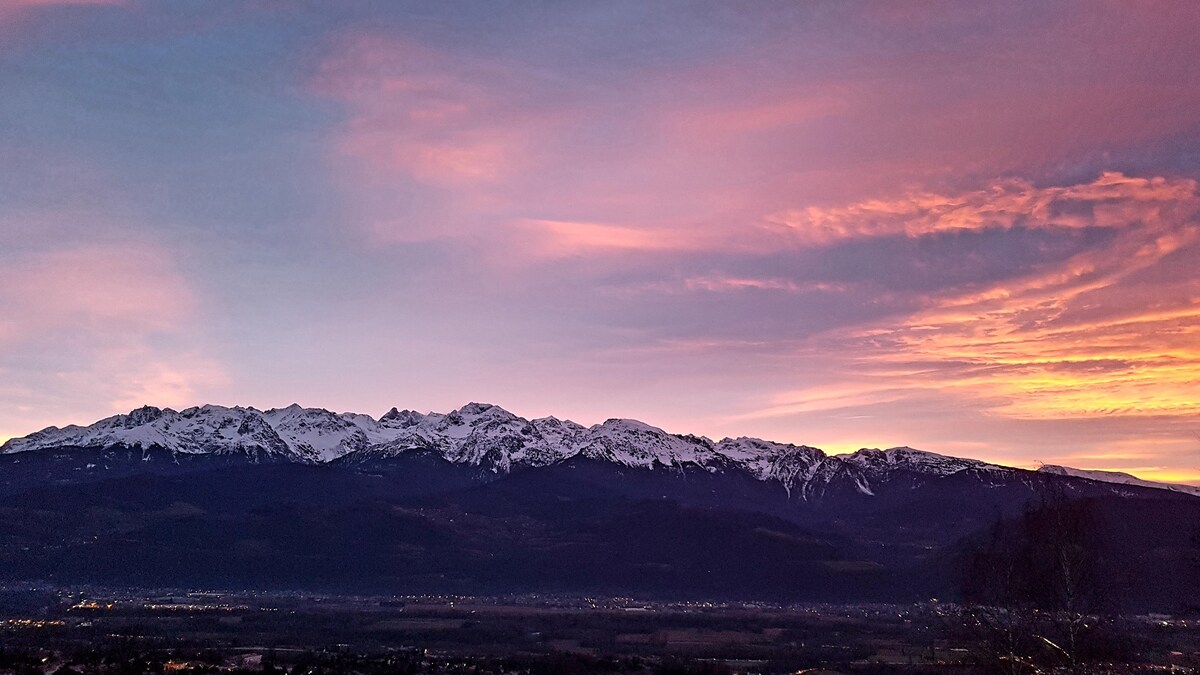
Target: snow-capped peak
[[789, 464], [317, 434], [207, 429], [635, 443], [873, 459], [1117, 477]]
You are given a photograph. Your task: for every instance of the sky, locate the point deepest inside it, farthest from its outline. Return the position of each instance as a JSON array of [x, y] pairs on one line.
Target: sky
[[967, 227]]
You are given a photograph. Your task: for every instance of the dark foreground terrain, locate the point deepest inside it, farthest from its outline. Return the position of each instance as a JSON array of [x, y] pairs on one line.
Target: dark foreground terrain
[[388, 566], [91, 630], [419, 524]]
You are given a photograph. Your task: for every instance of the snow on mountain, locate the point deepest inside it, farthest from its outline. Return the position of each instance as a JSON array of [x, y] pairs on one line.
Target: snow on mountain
[[480, 434], [316, 434], [1119, 478], [792, 465], [206, 429], [638, 444], [875, 461], [495, 440], [869, 467], [477, 434]]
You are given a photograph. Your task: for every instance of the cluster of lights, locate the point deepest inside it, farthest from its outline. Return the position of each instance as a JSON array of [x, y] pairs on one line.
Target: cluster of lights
[[93, 605], [33, 623], [164, 607]]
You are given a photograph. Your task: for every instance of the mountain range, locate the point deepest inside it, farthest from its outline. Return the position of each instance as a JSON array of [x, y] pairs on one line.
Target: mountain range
[[494, 440], [482, 500]]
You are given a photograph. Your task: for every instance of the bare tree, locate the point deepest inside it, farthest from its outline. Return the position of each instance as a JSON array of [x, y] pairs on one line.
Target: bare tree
[[1033, 588], [995, 587]]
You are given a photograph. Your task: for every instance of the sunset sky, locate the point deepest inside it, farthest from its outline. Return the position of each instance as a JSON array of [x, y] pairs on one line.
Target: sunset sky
[[971, 228]]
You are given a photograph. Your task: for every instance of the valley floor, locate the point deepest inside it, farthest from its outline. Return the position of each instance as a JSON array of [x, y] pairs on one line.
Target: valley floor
[[94, 630]]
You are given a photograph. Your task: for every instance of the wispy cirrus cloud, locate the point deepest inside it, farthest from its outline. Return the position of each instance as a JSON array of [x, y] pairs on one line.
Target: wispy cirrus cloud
[[432, 139], [558, 237], [1113, 200], [1091, 334], [441, 144]]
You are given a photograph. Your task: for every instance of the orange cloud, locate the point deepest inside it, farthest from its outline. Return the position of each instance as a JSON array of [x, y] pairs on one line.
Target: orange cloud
[[1084, 339], [1112, 200], [1159, 459]]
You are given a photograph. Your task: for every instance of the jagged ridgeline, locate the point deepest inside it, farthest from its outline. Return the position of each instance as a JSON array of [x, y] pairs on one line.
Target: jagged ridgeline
[[478, 435], [482, 500]]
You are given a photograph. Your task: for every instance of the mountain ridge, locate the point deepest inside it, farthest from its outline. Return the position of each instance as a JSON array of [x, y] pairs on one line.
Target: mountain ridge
[[492, 439], [1118, 478]]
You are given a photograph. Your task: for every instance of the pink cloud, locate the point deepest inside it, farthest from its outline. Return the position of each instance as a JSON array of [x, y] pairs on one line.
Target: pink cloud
[[129, 377], [443, 119], [106, 377], [493, 146], [556, 238], [886, 120], [87, 287], [720, 122], [113, 325]]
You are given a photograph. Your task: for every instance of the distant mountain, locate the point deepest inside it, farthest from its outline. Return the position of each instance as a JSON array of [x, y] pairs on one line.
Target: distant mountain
[[490, 439], [1118, 478]]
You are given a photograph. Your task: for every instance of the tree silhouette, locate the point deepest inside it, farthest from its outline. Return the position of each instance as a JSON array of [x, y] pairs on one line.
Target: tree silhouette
[[1033, 585]]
